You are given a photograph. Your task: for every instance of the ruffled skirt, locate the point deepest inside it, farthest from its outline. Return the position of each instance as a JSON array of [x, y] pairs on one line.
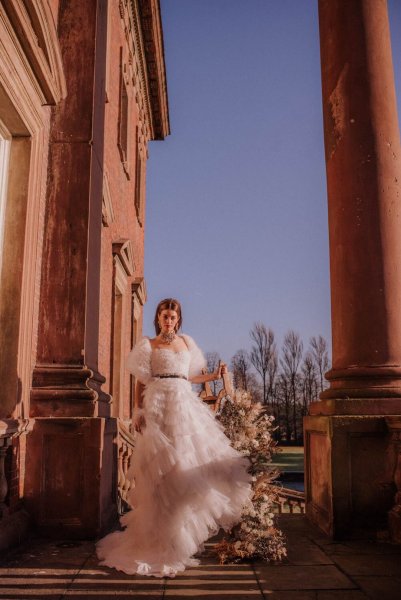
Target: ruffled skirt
[[189, 482]]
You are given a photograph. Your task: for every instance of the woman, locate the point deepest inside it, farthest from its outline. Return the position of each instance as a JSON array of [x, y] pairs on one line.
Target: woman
[[189, 481]]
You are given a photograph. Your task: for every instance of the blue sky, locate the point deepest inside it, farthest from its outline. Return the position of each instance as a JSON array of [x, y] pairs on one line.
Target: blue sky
[[236, 224]]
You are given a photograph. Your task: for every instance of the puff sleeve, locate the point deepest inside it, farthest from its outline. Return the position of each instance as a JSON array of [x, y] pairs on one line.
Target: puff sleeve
[[198, 361], [139, 360]]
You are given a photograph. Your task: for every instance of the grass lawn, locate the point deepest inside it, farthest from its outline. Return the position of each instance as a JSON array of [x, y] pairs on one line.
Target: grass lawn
[[289, 458]]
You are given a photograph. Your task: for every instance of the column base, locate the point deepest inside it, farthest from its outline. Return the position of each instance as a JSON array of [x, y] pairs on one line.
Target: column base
[[348, 488], [70, 477], [378, 382], [356, 406], [68, 391]]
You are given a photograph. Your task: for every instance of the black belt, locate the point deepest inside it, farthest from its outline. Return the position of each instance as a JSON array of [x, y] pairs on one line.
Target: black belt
[[165, 376]]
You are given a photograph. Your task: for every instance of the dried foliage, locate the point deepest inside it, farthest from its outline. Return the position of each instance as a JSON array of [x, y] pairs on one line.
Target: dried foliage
[[250, 430]]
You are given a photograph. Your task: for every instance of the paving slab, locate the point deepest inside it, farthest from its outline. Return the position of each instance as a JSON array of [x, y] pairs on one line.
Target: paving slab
[[292, 577], [380, 588], [304, 552], [367, 564], [357, 547], [316, 568]]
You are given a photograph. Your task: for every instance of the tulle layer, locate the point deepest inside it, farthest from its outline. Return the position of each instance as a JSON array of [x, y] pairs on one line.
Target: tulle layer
[[189, 482]]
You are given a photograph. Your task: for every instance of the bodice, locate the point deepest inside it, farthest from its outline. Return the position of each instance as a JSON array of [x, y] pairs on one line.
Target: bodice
[[168, 362], [144, 362]]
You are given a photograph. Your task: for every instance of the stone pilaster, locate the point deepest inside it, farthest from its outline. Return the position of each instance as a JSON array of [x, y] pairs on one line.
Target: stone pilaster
[[70, 474]]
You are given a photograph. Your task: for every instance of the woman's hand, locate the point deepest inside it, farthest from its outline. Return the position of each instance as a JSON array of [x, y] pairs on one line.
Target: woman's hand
[[139, 421], [221, 370]]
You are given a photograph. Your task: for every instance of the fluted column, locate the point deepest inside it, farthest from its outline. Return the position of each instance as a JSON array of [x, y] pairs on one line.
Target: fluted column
[[363, 162]]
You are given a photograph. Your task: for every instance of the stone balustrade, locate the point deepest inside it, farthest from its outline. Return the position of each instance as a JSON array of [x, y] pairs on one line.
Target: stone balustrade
[[5, 444], [289, 501], [126, 444], [14, 521], [9, 429]]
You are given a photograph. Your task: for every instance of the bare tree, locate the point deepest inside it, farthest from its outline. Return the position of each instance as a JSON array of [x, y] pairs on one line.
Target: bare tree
[[291, 357], [212, 363], [241, 368], [283, 395], [272, 377], [261, 352], [321, 358], [309, 382], [254, 388]]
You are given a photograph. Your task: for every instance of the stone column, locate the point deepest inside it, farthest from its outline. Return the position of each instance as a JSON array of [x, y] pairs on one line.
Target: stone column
[[346, 435]]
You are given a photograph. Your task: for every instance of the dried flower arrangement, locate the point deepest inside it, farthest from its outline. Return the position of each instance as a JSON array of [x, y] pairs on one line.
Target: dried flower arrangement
[[250, 431]]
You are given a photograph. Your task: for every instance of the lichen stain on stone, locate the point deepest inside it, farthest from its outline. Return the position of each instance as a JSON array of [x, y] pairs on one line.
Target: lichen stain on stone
[[338, 111]]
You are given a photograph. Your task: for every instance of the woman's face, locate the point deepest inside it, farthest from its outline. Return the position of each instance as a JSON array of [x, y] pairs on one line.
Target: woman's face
[[168, 320]]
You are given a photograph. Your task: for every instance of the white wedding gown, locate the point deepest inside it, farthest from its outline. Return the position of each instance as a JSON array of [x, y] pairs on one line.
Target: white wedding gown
[[189, 481]]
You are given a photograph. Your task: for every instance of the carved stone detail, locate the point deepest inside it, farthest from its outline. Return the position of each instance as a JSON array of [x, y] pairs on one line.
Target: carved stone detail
[[107, 204], [123, 249], [141, 22], [37, 34]]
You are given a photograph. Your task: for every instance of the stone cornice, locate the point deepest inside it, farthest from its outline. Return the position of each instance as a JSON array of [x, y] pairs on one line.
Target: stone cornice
[[152, 33]]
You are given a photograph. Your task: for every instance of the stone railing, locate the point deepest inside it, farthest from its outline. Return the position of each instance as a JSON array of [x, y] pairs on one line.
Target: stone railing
[[5, 444], [289, 501], [9, 428], [126, 444]]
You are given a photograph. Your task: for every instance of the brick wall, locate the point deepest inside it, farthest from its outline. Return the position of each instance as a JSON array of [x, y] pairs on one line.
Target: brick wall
[[122, 186]]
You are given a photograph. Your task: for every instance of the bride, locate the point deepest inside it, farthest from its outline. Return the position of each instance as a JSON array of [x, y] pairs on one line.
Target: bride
[[188, 481]]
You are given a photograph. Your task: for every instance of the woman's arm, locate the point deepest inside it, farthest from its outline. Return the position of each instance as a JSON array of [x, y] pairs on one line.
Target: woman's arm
[[139, 389], [138, 417], [204, 377]]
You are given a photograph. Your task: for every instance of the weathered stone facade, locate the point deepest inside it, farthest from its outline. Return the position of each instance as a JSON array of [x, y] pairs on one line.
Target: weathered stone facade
[[82, 92]]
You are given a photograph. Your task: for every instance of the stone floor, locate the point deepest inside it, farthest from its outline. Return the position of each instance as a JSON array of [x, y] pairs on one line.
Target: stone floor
[[316, 568]]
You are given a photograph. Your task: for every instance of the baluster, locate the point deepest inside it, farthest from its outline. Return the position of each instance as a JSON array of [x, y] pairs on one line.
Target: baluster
[[4, 445], [120, 467], [125, 470]]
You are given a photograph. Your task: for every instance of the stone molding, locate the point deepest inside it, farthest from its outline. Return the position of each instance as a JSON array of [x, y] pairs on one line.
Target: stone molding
[[149, 11], [139, 297], [107, 204], [122, 249], [21, 100], [139, 290], [33, 24], [376, 381], [142, 26], [67, 391]]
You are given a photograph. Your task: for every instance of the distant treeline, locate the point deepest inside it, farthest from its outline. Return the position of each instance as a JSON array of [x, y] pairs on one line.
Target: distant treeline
[[285, 380]]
